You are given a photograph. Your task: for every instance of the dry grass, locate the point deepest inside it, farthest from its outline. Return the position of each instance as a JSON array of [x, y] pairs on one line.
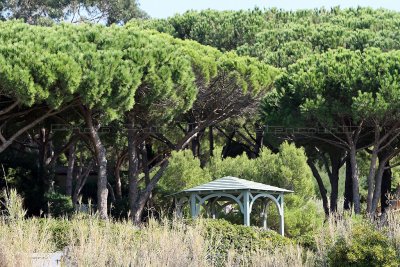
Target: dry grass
[[96, 243], [291, 255], [92, 242]]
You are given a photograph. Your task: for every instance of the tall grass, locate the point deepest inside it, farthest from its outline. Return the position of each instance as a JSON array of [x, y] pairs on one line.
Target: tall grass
[[88, 241]]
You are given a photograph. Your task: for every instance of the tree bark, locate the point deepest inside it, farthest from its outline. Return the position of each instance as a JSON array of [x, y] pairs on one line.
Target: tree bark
[[100, 153], [146, 170], [144, 196], [354, 178], [133, 173], [70, 169], [336, 163], [384, 159], [386, 186], [378, 185], [118, 185], [81, 178], [45, 149], [370, 178], [259, 138], [211, 140], [348, 187], [321, 186]]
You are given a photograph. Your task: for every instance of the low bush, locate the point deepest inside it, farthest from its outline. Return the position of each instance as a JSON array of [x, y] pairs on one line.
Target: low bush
[[224, 237], [365, 247], [59, 204], [59, 230]]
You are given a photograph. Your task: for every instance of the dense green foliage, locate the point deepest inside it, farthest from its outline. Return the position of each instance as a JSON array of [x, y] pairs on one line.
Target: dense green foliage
[[59, 205], [48, 12], [225, 236], [183, 172], [287, 169], [282, 37], [366, 247]]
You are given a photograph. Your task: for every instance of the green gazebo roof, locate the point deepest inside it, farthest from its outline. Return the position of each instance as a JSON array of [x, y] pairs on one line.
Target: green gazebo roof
[[230, 183]]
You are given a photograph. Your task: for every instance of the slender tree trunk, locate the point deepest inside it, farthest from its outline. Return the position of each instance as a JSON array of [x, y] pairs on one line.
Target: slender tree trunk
[[371, 178], [386, 186], [354, 178], [336, 160], [378, 186], [41, 143], [146, 170], [111, 192], [348, 187], [133, 173], [70, 169], [100, 151], [118, 184], [383, 162], [144, 196], [211, 140], [195, 140], [81, 178], [335, 191], [117, 175], [259, 138], [321, 186]]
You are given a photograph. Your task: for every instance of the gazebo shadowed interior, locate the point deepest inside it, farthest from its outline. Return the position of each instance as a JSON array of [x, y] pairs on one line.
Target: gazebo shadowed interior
[[232, 190]]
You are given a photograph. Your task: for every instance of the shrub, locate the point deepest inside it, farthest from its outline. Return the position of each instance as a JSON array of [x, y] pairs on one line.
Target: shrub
[[366, 247], [183, 172], [224, 236], [59, 230], [59, 204]]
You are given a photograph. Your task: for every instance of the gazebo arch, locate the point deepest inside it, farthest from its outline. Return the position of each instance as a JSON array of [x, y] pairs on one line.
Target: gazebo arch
[[242, 192]]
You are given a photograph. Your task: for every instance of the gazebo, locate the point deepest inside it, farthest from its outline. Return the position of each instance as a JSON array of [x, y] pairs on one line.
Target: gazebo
[[232, 190]]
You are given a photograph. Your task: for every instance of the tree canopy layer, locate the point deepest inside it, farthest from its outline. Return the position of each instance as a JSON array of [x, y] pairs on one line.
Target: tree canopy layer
[[282, 37], [351, 95], [107, 74], [49, 11], [341, 88]]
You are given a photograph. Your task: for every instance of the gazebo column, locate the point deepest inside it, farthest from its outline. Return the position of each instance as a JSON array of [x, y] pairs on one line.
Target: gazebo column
[[246, 208], [193, 206], [282, 219]]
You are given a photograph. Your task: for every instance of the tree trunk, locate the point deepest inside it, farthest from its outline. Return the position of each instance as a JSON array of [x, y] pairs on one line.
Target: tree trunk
[[80, 181], [111, 192], [386, 186], [354, 178], [334, 192], [100, 151], [259, 138], [321, 186], [336, 160], [348, 187], [383, 162], [144, 196], [117, 175], [211, 140], [43, 156], [133, 173], [146, 170], [70, 169], [371, 178]]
